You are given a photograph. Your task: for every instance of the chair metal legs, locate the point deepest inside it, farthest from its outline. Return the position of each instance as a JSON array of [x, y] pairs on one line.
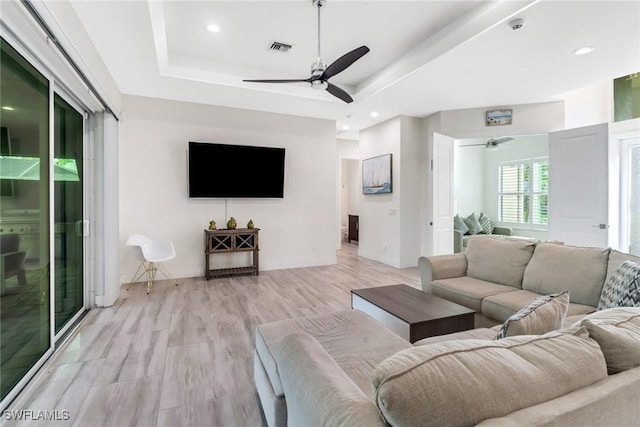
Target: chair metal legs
[[151, 269]]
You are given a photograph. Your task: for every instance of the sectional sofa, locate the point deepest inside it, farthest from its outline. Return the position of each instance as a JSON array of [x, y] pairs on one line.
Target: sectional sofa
[[346, 369], [498, 277]]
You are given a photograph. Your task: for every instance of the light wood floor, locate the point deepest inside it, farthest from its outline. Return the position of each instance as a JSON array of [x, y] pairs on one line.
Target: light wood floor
[[183, 356]]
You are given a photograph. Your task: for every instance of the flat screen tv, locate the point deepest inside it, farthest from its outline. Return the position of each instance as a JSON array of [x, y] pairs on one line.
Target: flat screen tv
[[226, 171]]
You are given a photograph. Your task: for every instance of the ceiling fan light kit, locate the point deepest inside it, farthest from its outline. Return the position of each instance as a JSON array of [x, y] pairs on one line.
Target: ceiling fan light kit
[[320, 72]]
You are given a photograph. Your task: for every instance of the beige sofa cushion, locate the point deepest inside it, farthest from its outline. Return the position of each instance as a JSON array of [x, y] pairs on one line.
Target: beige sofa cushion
[[465, 382], [617, 331], [467, 291], [342, 334], [498, 261], [318, 392], [612, 401], [502, 306], [471, 334], [544, 314], [554, 268]]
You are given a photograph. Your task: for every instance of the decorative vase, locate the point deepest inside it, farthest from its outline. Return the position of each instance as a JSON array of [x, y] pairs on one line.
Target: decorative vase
[[250, 224], [232, 224], [212, 225]]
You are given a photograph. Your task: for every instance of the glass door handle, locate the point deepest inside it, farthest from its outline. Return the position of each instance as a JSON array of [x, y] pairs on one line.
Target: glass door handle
[[82, 228]]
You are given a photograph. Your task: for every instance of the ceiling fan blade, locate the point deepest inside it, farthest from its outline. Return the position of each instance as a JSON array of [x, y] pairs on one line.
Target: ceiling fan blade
[[501, 140], [344, 61], [339, 93], [280, 81]]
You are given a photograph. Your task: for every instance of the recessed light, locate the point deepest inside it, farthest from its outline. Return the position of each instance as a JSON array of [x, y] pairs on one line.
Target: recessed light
[[213, 28], [374, 114], [583, 50], [6, 107]]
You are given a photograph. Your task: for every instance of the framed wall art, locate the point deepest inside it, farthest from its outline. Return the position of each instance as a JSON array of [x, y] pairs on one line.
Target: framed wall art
[[499, 117], [377, 175]]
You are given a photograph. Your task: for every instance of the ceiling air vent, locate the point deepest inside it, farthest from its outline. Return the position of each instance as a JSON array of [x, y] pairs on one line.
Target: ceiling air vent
[[280, 47]]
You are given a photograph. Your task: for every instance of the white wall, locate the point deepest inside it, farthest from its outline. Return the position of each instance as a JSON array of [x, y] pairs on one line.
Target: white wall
[[589, 106], [389, 223], [469, 175], [528, 119], [379, 220], [77, 43], [153, 184], [410, 155]]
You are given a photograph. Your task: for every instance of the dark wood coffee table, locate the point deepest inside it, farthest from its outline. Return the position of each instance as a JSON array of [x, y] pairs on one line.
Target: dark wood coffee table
[[412, 313]]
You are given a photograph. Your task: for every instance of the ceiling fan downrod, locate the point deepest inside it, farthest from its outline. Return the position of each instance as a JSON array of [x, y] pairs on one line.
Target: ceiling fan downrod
[[320, 72], [318, 67]]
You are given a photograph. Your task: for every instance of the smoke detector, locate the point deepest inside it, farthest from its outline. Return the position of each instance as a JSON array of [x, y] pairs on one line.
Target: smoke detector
[[516, 24]]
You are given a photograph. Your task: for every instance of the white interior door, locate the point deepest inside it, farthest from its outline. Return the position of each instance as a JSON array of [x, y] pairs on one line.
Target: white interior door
[[578, 186], [442, 173]]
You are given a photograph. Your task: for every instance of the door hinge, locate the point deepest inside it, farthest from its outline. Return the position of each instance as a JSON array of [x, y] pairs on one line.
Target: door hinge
[[432, 164]]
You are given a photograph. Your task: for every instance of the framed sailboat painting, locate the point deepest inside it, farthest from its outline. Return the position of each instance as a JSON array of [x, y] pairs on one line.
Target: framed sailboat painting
[[376, 175]]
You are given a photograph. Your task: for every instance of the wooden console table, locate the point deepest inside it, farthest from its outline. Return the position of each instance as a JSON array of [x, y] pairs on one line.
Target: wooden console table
[[226, 241]]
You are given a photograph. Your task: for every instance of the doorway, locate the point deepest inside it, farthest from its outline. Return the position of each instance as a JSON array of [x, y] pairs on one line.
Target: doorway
[[349, 198], [500, 180]]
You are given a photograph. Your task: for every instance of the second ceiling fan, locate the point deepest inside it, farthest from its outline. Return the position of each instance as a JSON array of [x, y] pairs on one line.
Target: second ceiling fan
[[493, 144], [320, 72]]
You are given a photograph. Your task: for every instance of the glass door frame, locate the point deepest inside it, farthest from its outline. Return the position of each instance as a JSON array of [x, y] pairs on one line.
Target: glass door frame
[[627, 143], [56, 87], [85, 190]]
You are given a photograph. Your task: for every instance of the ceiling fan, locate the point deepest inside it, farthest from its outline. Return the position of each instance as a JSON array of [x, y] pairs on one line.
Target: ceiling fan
[[320, 72], [493, 144]]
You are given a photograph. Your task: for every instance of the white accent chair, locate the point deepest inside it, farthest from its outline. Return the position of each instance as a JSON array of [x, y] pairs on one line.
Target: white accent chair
[[151, 254]]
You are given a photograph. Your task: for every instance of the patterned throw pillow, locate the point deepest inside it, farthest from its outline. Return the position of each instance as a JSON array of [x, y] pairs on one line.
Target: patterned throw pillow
[[622, 288], [458, 224], [473, 224], [486, 223], [542, 315]]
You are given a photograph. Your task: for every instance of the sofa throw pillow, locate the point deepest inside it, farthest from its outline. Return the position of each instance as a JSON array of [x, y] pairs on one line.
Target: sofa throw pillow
[[617, 332], [473, 224], [485, 223], [459, 224], [542, 315], [622, 288]]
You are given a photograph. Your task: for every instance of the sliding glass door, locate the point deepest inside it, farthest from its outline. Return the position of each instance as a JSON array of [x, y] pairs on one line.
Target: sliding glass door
[[68, 134], [24, 218], [630, 195], [41, 217]]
